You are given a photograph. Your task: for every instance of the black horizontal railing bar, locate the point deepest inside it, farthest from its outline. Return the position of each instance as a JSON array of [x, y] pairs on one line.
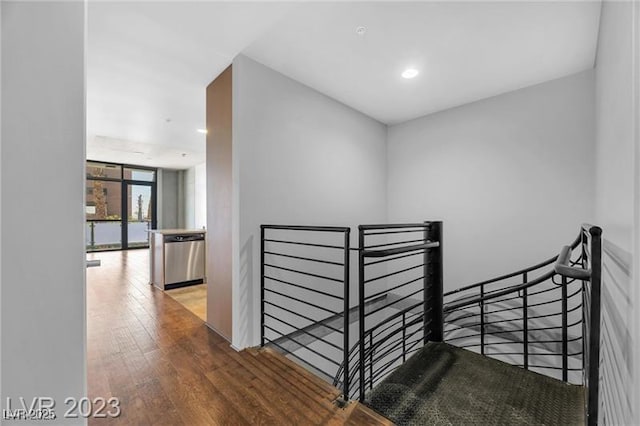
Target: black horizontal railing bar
[[302, 345], [309, 274], [294, 355], [508, 353], [394, 243], [509, 320], [377, 343], [301, 301], [467, 315], [504, 292], [304, 258], [398, 250], [354, 350], [555, 341], [389, 259], [387, 324], [394, 226], [505, 309], [303, 316], [271, 240], [547, 262], [394, 288], [308, 228], [458, 327], [397, 315], [421, 265], [544, 303], [546, 290], [324, 293], [380, 350], [553, 368], [383, 369], [510, 342], [390, 349], [296, 329], [393, 232], [392, 303], [389, 365]]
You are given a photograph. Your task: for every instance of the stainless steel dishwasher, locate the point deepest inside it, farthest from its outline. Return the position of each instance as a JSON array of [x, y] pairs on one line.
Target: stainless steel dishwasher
[[184, 258]]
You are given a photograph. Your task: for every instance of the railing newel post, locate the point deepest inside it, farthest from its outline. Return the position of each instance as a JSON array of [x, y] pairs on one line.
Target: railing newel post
[[361, 308], [345, 381], [594, 326], [433, 280]]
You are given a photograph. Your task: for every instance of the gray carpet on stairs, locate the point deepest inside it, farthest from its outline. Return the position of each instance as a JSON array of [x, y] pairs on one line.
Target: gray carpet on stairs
[[445, 385]]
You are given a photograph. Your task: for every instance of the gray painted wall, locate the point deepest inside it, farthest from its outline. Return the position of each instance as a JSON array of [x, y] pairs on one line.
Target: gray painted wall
[[511, 176], [171, 200], [299, 157], [42, 192], [616, 201]]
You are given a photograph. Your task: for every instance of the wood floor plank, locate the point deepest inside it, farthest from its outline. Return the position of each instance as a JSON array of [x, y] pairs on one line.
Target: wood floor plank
[[168, 368]]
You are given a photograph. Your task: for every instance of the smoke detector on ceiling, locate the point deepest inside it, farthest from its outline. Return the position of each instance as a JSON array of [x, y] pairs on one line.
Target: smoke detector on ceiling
[[361, 30]]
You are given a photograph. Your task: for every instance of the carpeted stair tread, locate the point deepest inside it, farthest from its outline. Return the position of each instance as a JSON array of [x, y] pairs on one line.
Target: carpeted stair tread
[[445, 385]]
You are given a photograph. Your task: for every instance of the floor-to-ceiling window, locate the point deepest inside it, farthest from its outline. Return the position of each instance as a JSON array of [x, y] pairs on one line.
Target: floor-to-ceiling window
[[120, 205]]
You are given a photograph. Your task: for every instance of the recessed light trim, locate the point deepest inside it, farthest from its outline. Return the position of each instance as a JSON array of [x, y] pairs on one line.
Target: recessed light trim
[[203, 131], [410, 73]]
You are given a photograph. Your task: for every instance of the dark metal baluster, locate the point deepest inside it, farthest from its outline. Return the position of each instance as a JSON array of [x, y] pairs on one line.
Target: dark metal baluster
[[404, 337], [370, 361], [525, 323], [261, 286], [594, 326], [345, 330], [565, 360], [482, 319], [434, 259], [361, 307]]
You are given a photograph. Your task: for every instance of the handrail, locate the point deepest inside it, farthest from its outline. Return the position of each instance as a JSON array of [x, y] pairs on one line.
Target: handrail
[[394, 226], [398, 250], [549, 261], [466, 302], [562, 266], [307, 228]]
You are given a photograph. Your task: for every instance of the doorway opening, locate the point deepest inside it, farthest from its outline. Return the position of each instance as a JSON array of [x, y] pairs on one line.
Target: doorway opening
[[120, 206]]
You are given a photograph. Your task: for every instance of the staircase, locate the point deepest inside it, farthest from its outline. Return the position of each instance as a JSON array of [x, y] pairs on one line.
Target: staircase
[[443, 384], [522, 348]]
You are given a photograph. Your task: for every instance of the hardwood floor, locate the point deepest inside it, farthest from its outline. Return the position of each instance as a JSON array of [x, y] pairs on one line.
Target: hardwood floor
[[194, 298], [168, 368]]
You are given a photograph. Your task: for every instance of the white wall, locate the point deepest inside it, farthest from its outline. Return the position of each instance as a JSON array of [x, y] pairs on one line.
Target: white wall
[[299, 157], [195, 197], [42, 187], [511, 176], [616, 199]]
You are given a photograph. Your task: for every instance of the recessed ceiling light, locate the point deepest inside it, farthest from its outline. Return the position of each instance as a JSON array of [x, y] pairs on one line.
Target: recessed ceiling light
[[203, 131], [410, 73]]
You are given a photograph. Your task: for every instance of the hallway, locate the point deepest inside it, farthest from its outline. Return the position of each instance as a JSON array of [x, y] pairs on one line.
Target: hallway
[[167, 367]]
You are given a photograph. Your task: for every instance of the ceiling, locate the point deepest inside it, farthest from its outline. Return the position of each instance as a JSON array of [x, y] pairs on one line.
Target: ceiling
[[149, 62]]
